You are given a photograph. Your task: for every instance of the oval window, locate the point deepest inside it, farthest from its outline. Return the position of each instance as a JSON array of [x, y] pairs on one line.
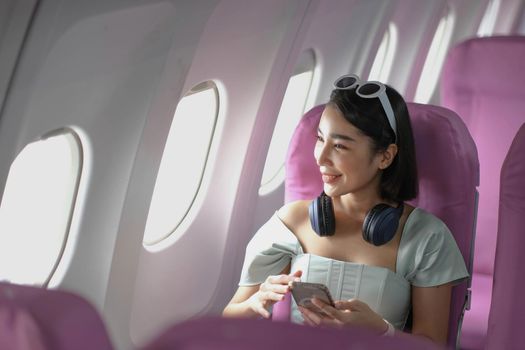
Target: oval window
[[37, 206], [183, 161], [385, 55], [435, 58], [292, 109]]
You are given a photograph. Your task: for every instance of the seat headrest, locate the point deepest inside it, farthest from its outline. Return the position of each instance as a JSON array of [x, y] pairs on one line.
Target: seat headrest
[[64, 320], [447, 164], [441, 140], [490, 66], [482, 81], [303, 180]]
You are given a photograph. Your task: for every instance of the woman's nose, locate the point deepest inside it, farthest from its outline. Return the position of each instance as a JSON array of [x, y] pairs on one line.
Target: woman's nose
[[322, 154]]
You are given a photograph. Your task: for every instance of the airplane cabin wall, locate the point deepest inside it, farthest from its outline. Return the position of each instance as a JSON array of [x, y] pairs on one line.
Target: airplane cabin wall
[[15, 18], [416, 22], [509, 17], [467, 18], [95, 67], [183, 273]]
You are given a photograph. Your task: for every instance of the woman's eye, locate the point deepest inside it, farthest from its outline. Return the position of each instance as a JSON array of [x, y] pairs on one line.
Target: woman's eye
[[340, 146], [319, 138]]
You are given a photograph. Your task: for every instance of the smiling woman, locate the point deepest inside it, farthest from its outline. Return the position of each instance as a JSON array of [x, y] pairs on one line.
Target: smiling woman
[[350, 237], [147, 149]]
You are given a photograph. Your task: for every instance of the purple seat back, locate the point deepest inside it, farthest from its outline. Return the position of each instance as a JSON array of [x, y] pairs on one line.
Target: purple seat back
[[40, 319], [482, 81], [507, 311], [448, 172], [215, 333]]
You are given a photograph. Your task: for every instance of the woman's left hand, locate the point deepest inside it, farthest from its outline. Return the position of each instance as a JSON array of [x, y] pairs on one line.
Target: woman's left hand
[[350, 312]]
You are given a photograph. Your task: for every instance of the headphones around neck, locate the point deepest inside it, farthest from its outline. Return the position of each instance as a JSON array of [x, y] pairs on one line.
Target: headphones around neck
[[379, 227]]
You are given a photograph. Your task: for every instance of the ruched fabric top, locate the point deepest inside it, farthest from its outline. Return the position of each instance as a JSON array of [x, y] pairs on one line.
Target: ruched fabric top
[[427, 256]]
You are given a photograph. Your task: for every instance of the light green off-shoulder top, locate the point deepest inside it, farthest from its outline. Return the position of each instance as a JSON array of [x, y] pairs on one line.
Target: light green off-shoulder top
[[427, 256]]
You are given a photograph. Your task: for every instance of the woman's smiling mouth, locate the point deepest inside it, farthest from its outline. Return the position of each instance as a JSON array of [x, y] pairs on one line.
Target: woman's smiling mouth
[[328, 178]]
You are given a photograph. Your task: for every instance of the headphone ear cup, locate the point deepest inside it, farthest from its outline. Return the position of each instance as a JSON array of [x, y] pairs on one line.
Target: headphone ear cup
[[381, 224], [313, 212], [322, 216], [328, 216]]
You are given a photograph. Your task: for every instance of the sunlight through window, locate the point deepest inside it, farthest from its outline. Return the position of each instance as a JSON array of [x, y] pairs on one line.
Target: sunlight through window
[[385, 55], [36, 208], [435, 58], [292, 109], [183, 162]]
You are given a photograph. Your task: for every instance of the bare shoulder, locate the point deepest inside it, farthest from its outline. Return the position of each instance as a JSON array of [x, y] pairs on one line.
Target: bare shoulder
[[294, 214]]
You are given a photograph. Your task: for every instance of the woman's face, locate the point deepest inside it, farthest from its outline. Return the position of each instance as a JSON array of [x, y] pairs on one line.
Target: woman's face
[[345, 157]]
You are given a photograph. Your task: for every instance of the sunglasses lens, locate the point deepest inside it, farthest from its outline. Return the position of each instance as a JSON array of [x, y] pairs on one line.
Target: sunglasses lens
[[345, 82], [369, 89]]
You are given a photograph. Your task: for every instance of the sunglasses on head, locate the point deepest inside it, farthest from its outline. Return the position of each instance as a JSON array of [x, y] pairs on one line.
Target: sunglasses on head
[[369, 89]]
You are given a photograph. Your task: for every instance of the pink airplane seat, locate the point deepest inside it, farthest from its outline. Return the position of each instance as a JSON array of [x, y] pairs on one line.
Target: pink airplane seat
[[215, 333], [482, 81], [33, 318], [507, 310], [448, 170]]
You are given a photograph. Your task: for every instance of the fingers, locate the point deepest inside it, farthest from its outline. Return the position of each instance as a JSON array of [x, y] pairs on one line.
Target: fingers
[[351, 305], [260, 301], [276, 288], [262, 311], [313, 319], [272, 296], [325, 308], [310, 317], [280, 283], [297, 273], [284, 279]]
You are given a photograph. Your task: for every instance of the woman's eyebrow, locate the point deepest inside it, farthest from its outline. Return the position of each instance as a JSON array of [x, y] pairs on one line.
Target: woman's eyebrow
[[341, 136], [337, 136]]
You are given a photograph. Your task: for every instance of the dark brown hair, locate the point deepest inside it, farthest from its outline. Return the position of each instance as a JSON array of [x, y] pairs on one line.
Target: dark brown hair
[[399, 182]]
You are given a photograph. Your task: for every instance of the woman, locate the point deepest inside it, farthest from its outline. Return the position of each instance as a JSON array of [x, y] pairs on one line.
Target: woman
[[379, 257]]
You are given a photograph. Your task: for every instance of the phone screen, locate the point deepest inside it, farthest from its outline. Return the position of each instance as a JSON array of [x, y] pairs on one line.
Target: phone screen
[[303, 292]]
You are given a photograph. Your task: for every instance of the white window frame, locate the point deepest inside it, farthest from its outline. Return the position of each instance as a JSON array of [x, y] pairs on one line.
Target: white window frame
[[384, 59], [70, 197], [270, 181], [164, 195], [488, 22], [435, 58]]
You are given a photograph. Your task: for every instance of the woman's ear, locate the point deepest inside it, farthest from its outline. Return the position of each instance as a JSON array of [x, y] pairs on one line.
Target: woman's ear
[[387, 156]]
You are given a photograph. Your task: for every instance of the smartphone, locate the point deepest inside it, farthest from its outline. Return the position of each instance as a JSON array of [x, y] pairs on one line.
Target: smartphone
[[303, 292]]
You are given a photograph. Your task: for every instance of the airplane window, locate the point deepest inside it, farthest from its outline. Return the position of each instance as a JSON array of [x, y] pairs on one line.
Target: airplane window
[[385, 55], [37, 206], [488, 22], [435, 58], [183, 161], [292, 109]]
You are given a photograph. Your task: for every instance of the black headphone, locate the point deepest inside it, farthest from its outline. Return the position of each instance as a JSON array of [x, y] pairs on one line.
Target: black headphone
[[379, 227]]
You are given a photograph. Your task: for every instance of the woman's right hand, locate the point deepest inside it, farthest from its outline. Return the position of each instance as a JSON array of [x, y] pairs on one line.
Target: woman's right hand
[[271, 291]]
